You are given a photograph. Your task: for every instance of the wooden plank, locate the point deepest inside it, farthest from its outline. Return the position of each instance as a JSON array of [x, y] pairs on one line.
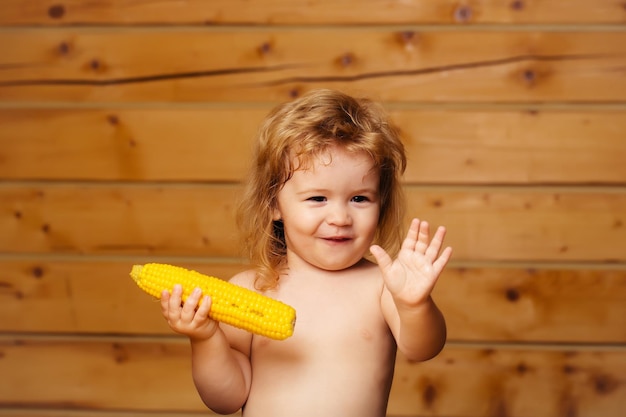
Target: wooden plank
[[110, 144], [115, 219], [128, 12], [84, 297], [539, 382], [213, 144], [480, 304], [98, 375], [527, 224], [260, 65], [491, 223], [558, 305], [463, 381]]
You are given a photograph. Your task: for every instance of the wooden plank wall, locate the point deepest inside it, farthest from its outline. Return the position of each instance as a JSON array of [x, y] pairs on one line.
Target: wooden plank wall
[[125, 128]]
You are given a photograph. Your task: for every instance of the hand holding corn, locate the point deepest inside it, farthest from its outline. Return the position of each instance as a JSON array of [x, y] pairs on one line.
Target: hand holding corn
[[230, 303]]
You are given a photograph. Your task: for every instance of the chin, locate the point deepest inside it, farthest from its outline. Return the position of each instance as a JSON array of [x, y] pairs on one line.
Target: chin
[[337, 266]]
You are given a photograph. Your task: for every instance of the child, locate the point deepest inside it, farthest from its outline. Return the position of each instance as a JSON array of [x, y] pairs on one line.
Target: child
[[324, 190]]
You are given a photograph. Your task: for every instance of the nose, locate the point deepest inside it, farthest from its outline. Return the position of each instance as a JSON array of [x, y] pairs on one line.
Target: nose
[[338, 215]]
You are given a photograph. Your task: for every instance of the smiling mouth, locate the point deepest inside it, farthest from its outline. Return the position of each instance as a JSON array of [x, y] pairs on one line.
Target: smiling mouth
[[337, 239]]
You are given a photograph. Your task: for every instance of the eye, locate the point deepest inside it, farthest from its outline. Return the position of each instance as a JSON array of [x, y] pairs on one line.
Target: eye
[[317, 199], [360, 199]]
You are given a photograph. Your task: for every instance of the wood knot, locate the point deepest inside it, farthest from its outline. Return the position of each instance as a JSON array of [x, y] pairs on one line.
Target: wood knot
[[512, 295], [569, 369], [522, 368], [37, 272], [529, 76], [517, 5], [120, 355], [96, 66], [265, 48], [407, 38], [346, 59], [64, 48], [429, 395], [56, 11], [463, 13], [113, 119], [294, 93], [605, 384]]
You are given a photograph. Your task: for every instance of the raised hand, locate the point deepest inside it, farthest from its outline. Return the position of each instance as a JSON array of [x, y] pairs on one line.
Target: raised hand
[[411, 277], [191, 318]]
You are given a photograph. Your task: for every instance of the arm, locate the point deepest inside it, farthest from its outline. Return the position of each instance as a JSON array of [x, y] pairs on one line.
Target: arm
[[220, 372], [415, 321]]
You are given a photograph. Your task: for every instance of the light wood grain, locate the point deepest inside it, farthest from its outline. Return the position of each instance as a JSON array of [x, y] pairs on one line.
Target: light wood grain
[[127, 12], [538, 382], [115, 219], [214, 144], [125, 129], [462, 381], [480, 304], [85, 297], [483, 224], [261, 65]]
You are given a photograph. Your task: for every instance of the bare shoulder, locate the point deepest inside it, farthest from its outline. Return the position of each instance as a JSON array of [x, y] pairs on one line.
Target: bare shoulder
[[244, 279]]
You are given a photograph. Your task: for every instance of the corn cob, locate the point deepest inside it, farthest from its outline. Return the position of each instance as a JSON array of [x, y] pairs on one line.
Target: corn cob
[[230, 303]]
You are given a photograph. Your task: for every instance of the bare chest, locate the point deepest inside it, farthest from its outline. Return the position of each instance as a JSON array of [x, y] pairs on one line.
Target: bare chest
[[333, 318]]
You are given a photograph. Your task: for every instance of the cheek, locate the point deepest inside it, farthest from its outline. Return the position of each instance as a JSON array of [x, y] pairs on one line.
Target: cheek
[[303, 223], [370, 221]]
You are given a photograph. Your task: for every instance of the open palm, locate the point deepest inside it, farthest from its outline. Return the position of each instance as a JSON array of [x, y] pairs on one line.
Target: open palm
[[411, 277]]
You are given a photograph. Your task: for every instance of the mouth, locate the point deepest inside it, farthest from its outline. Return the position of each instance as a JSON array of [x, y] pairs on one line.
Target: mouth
[[337, 239]]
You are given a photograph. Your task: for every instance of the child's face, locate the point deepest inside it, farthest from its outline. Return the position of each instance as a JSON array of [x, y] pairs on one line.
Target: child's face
[[330, 210]]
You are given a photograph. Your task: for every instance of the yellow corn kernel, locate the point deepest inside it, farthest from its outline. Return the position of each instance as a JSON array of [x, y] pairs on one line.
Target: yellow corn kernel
[[230, 303]]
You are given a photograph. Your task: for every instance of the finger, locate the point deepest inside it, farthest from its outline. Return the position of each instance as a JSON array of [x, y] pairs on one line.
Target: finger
[[165, 302], [190, 305], [411, 237], [423, 237], [432, 251], [174, 302], [205, 307], [382, 257], [176, 297], [442, 261]]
